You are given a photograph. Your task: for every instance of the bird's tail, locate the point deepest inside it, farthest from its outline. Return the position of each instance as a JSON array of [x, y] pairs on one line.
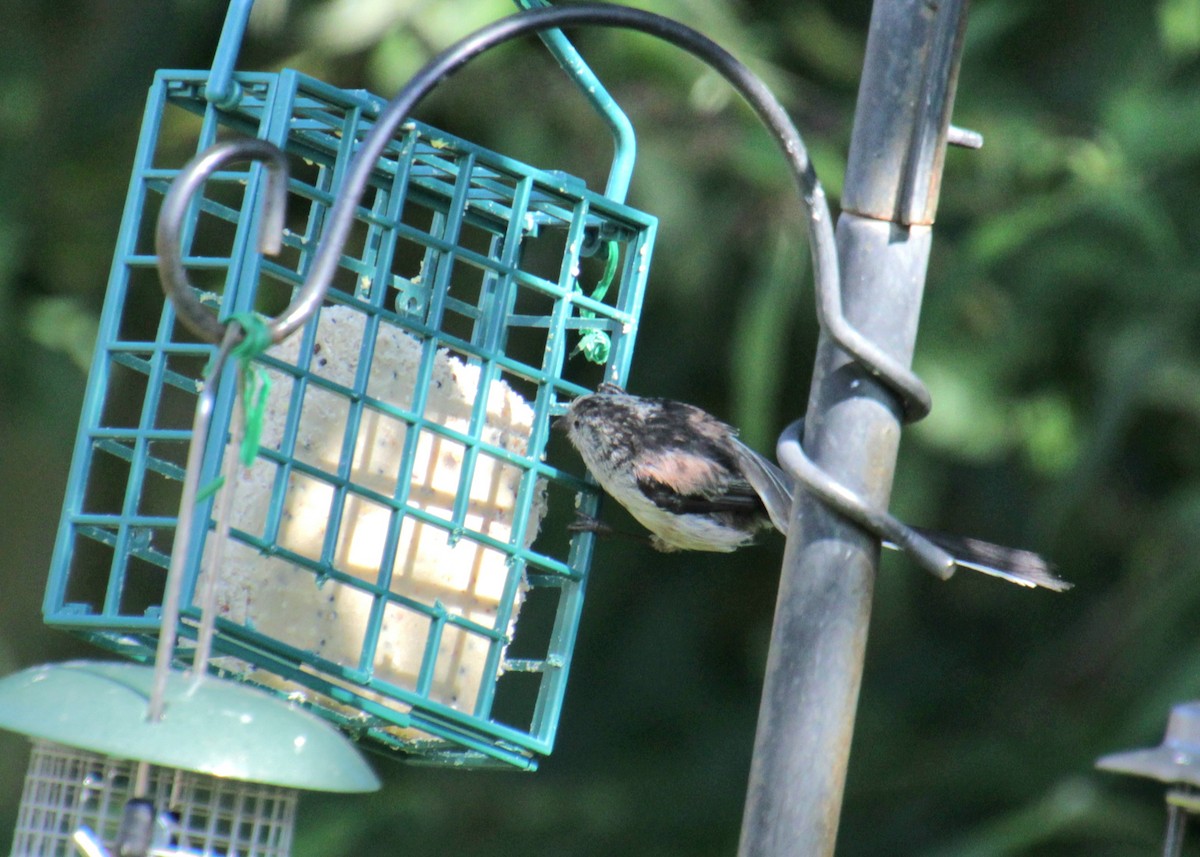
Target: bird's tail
[[1025, 568], [1022, 567]]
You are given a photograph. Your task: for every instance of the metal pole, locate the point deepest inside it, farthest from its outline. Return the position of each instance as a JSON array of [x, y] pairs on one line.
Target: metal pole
[[815, 663], [1181, 801], [1176, 829]]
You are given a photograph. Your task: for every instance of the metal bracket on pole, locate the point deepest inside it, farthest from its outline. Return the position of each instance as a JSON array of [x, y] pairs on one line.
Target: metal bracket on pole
[[818, 642]]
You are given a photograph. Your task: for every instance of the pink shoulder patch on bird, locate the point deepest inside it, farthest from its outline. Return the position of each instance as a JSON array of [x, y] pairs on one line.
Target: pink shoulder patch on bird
[[685, 474]]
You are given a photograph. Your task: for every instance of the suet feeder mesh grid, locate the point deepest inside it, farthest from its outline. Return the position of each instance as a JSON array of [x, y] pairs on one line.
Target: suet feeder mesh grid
[[68, 789], [400, 516]]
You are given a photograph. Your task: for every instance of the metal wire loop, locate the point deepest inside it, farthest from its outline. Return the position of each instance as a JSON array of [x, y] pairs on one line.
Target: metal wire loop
[[842, 500], [906, 385], [174, 215], [903, 382]]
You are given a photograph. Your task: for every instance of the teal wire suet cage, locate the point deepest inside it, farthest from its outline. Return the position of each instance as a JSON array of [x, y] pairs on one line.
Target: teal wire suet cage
[[399, 558]]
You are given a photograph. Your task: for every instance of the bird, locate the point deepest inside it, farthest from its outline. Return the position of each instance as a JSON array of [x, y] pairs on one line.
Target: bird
[[686, 477]]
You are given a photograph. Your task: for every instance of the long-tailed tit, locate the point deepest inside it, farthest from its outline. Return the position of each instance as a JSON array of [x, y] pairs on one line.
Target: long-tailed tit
[[685, 476]]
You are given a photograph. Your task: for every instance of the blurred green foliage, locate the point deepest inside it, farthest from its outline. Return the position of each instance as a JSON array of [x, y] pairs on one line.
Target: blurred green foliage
[[1060, 336]]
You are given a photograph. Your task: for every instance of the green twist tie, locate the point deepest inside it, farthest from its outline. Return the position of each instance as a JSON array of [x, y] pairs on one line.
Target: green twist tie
[[595, 344], [254, 382], [211, 488]]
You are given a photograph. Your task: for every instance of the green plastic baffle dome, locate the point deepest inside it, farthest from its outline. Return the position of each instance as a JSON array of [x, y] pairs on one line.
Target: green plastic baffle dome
[[399, 558], [225, 760]]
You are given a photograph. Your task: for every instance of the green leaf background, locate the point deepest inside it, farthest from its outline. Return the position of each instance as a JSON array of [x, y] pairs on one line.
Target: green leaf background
[[1060, 337]]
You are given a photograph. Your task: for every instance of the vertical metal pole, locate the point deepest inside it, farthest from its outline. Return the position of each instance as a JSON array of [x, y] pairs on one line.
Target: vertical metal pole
[[1176, 829], [814, 668]]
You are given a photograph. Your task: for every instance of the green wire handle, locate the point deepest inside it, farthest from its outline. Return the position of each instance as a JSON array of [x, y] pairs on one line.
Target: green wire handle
[[624, 141], [223, 91], [595, 344]]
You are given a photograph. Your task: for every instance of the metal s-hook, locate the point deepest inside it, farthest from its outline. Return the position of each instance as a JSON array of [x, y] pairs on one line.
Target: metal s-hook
[[913, 396], [168, 237], [202, 321]]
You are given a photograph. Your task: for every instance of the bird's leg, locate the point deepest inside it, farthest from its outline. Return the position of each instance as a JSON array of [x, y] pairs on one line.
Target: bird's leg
[[588, 524]]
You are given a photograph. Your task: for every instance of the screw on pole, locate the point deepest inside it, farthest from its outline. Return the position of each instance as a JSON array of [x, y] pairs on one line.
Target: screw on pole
[[818, 642]]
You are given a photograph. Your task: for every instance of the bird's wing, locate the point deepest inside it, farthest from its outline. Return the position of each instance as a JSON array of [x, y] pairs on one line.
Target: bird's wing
[[695, 483], [739, 497], [774, 487], [692, 474]]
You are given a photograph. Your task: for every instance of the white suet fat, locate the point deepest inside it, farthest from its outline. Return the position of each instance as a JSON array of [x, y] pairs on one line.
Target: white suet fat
[[467, 578]]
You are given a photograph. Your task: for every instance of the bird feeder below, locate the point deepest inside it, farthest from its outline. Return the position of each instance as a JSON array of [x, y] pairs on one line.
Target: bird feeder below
[[1175, 762], [222, 768]]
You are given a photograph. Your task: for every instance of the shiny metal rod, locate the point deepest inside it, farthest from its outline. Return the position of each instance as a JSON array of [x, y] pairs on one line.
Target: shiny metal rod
[[173, 594]]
